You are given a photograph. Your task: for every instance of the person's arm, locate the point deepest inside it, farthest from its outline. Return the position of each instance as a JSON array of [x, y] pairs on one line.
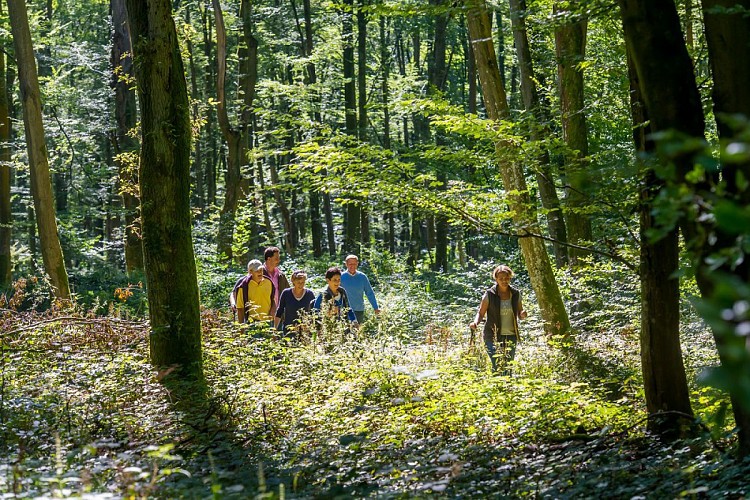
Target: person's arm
[[480, 312], [279, 310], [522, 314], [370, 294], [240, 306], [318, 301]]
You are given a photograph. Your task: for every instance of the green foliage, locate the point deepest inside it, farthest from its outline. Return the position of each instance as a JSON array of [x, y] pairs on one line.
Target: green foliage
[[405, 406]]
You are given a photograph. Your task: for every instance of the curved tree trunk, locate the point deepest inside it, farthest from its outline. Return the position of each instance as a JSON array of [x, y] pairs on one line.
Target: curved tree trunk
[[524, 215], [165, 188], [41, 186], [238, 139]]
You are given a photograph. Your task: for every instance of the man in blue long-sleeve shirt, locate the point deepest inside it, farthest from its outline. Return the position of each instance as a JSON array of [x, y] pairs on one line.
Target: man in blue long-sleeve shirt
[[357, 286]]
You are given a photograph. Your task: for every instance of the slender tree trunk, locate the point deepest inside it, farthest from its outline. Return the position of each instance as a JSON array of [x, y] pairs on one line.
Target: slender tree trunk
[[535, 255], [6, 216], [570, 45], [664, 378], [311, 79], [352, 229], [539, 131], [437, 76], [172, 283], [126, 146], [41, 186], [237, 139]]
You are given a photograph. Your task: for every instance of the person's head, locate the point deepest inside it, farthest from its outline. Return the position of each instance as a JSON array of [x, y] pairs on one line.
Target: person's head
[[333, 278], [502, 274], [272, 257], [298, 278], [255, 269], [351, 261]]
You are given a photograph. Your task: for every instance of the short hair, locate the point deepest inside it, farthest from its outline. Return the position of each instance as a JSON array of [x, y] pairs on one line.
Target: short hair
[[332, 271], [502, 268], [254, 265], [299, 273], [351, 256], [268, 252]]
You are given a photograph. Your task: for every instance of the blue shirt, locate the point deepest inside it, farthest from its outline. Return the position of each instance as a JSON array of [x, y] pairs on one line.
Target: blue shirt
[[357, 286], [341, 304]]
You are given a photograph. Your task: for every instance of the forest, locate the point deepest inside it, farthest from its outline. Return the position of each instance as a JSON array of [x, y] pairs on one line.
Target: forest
[[150, 149]]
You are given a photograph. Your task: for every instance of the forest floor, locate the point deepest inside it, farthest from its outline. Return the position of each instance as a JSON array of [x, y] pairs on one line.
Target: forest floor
[[404, 408]]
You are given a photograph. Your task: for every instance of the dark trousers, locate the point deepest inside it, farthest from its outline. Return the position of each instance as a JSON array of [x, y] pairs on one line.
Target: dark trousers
[[501, 352], [360, 316]]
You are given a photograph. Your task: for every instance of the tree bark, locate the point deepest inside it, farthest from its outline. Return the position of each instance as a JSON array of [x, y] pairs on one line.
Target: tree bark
[[6, 216], [41, 186], [436, 77], [539, 130], [175, 337], [570, 46], [126, 119], [535, 255], [664, 378], [352, 229], [237, 138]]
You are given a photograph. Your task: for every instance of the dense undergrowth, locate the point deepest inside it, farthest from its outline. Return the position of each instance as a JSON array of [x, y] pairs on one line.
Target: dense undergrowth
[[406, 407]]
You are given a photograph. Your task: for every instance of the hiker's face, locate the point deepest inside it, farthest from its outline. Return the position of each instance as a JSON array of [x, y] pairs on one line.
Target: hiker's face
[[503, 280], [351, 265], [299, 282], [257, 275], [273, 261], [334, 283]]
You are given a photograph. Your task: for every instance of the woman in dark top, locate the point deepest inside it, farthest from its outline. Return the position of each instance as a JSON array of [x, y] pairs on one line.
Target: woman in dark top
[[291, 302], [503, 306]]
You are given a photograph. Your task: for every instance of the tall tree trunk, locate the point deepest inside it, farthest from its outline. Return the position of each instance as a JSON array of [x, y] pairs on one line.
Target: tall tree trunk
[[437, 76], [553, 311], [570, 45], [728, 38], [385, 62], [209, 85], [664, 378], [311, 79], [500, 44], [172, 283], [538, 132], [237, 138], [364, 226], [6, 216], [352, 229], [41, 186], [126, 119]]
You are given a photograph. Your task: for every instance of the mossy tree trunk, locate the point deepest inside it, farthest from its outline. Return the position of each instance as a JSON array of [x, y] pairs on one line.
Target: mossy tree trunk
[[41, 186], [570, 46], [553, 311], [165, 188]]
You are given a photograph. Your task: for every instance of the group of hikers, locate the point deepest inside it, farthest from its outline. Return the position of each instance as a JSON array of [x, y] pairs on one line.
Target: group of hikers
[[265, 295]]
